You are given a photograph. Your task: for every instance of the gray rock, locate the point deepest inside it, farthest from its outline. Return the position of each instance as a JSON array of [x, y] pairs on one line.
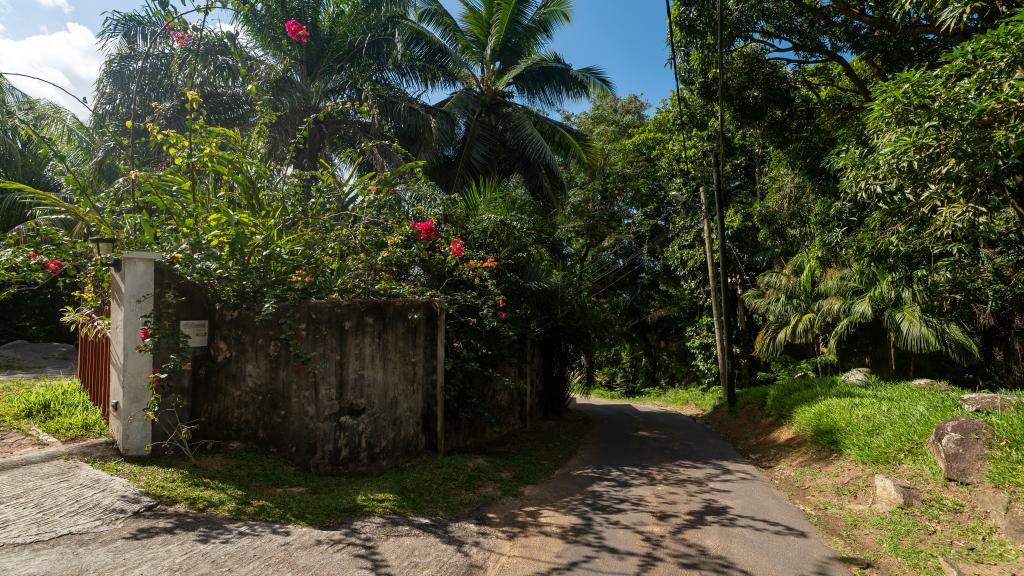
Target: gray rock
[[857, 376], [929, 384], [960, 446], [803, 376], [951, 568], [1005, 512], [891, 494], [21, 359], [990, 402]]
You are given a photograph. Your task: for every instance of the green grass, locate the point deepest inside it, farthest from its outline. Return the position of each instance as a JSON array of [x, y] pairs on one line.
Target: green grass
[[703, 398], [909, 535], [885, 423], [259, 486], [57, 406]]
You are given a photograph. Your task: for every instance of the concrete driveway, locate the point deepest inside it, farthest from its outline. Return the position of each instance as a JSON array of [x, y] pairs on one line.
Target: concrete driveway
[[652, 492]]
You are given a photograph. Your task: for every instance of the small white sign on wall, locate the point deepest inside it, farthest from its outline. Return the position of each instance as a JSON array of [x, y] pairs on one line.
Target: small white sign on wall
[[196, 330]]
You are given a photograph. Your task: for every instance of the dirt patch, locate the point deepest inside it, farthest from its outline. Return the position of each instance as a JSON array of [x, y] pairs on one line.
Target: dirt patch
[[12, 442], [836, 493]]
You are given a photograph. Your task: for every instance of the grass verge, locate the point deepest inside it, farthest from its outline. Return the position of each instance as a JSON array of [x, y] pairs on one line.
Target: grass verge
[[694, 399], [57, 406], [885, 423], [822, 442], [258, 486]]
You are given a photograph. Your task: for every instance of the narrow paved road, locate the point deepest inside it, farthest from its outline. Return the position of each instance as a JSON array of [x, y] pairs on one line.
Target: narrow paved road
[[654, 492], [651, 493]]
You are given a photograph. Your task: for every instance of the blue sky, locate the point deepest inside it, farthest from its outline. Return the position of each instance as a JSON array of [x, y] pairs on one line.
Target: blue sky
[[55, 39]]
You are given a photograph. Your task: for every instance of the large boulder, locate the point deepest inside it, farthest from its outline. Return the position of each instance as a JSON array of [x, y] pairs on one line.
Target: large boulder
[[960, 446], [890, 494], [990, 402], [857, 376]]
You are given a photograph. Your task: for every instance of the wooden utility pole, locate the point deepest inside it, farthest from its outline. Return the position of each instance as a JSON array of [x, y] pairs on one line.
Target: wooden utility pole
[[728, 383], [716, 308], [722, 344], [718, 159]]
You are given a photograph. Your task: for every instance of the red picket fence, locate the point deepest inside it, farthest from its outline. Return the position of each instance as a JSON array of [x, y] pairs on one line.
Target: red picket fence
[[94, 369]]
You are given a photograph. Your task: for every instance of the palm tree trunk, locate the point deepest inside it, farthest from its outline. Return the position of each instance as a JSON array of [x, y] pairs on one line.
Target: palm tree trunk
[[892, 358]]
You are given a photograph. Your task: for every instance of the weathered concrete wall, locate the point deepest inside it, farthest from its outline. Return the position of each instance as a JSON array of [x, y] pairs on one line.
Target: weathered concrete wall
[[331, 385]]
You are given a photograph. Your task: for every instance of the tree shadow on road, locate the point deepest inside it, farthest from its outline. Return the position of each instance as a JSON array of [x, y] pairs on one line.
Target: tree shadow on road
[[652, 492], [657, 493]]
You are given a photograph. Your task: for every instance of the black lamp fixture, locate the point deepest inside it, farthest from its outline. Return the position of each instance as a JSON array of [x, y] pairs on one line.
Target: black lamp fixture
[[103, 249]]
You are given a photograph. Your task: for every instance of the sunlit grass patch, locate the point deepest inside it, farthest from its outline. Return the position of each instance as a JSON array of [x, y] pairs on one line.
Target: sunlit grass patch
[[57, 406], [260, 486], [703, 399], [884, 423]]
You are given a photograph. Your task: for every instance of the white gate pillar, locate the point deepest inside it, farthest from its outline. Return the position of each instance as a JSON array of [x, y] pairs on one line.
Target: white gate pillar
[[131, 299]]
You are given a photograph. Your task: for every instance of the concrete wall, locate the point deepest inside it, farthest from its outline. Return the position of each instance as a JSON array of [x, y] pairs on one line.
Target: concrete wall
[[334, 386]]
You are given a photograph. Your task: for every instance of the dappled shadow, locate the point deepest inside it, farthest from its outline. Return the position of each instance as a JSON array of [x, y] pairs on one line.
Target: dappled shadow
[[203, 528], [652, 492], [661, 495]]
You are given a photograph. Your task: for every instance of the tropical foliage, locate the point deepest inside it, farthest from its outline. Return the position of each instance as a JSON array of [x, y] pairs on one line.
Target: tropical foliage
[[377, 149]]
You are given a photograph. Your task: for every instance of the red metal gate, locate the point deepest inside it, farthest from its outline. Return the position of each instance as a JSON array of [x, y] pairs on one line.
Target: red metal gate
[[94, 369]]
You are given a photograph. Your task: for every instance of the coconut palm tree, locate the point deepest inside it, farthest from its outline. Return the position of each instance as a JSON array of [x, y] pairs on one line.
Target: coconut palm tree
[[146, 71], [347, 83], [502, 75], [46, 159]]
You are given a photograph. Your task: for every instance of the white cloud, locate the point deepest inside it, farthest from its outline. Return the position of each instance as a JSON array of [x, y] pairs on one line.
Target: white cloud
[[68, 58], [62, 4]]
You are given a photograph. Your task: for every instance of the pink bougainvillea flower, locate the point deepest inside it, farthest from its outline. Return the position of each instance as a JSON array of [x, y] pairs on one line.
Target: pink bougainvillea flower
[[456, 248], [426, 229], [54, 266], [36, 256], [144, 333], [504, 315], [296, 31], [180, 37]]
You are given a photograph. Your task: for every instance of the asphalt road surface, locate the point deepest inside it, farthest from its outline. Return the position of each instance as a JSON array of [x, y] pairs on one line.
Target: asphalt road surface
[[655, 493]]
